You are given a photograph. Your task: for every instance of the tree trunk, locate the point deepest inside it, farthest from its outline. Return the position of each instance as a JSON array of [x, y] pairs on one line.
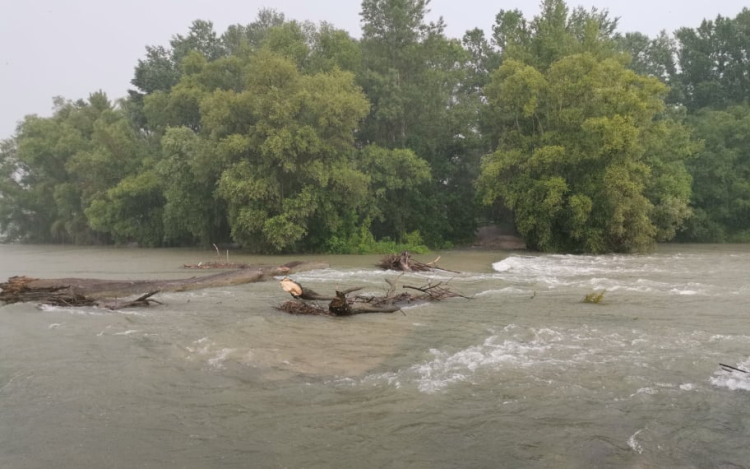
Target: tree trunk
[[90, 292]]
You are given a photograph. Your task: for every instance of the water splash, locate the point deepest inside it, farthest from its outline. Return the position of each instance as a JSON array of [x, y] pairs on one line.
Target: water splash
[[733, 380]]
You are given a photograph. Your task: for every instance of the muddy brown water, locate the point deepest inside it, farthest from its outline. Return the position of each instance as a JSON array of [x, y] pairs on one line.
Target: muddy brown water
[[522, 376]]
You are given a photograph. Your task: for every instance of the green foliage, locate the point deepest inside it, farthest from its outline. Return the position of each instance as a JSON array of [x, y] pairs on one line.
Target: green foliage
[[554, 34], [131, 211], [335, 48], [56, 167], [286, 142], [283, 135], [721, 171], [397, 179], [653, 57], [188, 171], [709, 76], [594, 297], [361, 241], [414, 79], [583, 163], [712, 59]]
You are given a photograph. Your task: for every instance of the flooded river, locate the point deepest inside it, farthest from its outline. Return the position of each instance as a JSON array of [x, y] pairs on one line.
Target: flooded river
[[524, 375]]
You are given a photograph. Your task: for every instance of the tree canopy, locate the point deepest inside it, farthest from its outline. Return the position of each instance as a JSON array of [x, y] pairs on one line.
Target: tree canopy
[[283, 135]]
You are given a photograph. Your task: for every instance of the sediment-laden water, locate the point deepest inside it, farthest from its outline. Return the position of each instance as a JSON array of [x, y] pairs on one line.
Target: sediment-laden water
[[522, 376]]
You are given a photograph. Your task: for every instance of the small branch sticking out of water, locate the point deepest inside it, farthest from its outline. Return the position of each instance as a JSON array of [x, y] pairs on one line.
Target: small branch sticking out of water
[[731, 368]]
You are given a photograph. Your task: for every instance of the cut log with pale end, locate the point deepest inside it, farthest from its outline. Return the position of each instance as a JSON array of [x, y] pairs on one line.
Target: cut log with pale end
[[341, 305], [87, 292]]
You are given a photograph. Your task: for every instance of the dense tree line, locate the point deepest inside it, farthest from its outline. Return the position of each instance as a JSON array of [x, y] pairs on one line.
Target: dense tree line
[[282, 136]]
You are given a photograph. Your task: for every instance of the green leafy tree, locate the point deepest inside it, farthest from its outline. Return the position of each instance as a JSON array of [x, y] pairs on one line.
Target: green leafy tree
[[554, 34], [414, 78], [56, 167], [334, 48], [131, 211], [395, 177], [189, 169], [714, 70], [286, 142], [239, 38], [721, 191], [581, 163]]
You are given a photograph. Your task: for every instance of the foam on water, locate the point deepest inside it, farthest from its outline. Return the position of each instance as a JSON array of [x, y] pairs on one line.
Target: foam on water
[[415, 306], [610, 272], [570, 265], [733, 380], [634, 444], [547, 354], [72, 310], [512, 348], [333, 275], [87, 311], [374, 275], [204, 349], [504, 291], [218, 360]]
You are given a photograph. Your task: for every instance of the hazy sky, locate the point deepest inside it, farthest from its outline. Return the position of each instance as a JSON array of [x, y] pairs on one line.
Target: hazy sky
[[73, 47]]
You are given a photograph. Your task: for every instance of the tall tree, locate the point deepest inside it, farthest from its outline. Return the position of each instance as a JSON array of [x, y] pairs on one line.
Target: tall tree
[[57, 167], [413, 76], [582, 160], [721, 173], [553, 34], [715, 69], [286, 140]]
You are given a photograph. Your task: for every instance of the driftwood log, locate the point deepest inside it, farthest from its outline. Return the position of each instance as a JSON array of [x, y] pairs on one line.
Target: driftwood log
[[103, 293], [307, 301], [217, 265], [404, 263]]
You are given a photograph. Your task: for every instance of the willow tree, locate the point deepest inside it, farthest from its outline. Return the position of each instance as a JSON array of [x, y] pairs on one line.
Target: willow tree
[[586, 164], [258, 146], [286, 144]]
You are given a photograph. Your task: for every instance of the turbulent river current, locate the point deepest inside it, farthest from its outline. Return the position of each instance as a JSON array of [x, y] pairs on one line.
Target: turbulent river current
[[523, 375]]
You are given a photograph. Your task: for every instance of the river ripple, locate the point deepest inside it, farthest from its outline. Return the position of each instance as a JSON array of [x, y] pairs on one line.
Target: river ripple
[[523, 375]]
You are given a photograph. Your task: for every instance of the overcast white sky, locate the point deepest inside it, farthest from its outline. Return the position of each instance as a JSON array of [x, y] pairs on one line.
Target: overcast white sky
[[73, 47]]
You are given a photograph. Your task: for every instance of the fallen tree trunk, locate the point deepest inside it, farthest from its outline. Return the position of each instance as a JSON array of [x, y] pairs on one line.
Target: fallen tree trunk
[[97, 292], [306, 301]]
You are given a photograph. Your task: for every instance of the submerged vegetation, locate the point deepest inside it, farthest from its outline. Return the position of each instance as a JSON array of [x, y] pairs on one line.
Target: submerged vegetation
[[594, 297], [283, 136]]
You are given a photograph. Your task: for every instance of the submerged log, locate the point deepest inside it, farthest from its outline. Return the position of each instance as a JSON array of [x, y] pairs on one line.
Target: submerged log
[[303, 308], [94, 292]]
